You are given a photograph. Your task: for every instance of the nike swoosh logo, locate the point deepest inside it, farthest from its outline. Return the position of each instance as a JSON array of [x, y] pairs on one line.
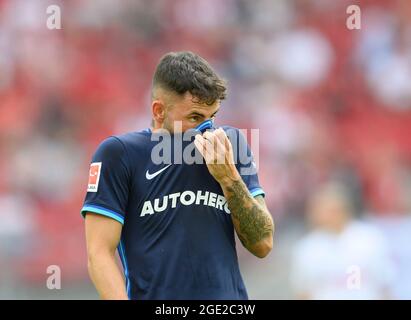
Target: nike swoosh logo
[[150, 176]]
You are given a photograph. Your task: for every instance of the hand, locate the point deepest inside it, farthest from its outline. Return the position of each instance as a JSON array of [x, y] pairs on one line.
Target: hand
[[217, 151]]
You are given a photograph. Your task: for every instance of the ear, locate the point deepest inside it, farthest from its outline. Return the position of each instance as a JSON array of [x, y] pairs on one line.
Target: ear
[[159, 111]]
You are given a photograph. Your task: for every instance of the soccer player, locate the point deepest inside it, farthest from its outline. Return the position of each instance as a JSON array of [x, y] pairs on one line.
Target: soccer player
[[173, 225]]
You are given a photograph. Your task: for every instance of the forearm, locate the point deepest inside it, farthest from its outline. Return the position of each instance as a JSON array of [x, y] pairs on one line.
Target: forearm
[[107, 276], [252, 221]]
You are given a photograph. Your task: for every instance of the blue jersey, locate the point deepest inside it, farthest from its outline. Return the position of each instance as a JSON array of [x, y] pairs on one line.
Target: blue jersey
[[177, 240]]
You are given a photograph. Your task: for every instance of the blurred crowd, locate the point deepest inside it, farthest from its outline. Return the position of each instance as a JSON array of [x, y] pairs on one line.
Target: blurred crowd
[[333, 105]]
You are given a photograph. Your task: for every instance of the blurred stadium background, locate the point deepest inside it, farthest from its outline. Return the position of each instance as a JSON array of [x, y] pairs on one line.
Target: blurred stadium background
[[333, 107]]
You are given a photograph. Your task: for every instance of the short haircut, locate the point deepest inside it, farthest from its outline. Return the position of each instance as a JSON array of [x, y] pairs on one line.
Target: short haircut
[[185, 71]]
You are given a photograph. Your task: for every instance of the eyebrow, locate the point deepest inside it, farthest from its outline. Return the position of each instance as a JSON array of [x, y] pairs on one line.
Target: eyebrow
[[196, 113]]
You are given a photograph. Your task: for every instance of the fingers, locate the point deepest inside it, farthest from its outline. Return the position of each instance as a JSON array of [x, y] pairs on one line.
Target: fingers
[[205, 148], [223, 138], [218, 138], [225, 143], [221, 135], [215, 146], [219, 149]]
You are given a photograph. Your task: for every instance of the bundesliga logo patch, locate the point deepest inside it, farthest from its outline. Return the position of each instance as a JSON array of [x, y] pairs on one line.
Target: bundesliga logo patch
[[94, 177]]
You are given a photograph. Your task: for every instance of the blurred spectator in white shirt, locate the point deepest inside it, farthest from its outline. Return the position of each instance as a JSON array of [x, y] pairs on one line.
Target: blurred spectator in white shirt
[[340, 258]]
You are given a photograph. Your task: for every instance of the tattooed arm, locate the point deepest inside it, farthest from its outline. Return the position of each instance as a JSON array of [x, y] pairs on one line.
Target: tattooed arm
[[251, 218]]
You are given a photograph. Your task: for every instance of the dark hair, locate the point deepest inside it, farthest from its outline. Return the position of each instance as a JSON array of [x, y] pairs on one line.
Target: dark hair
[[185, 71]]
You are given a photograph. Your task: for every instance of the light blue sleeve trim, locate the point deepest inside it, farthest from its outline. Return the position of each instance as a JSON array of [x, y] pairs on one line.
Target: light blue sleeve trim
[[102, 211], [257, 192]]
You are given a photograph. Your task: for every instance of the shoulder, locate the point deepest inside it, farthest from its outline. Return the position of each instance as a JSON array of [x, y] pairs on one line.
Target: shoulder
[[134, 138], [365, 234], [116, 146], [234, 134], [110, 147], [230, 129], [311, 243], [363, 228]]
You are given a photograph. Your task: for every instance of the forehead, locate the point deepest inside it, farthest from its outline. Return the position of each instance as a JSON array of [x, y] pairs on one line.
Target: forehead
[[188, 104]]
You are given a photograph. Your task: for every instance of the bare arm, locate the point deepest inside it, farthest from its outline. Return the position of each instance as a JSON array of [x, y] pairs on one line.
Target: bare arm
[[103, 236], [251, 218]]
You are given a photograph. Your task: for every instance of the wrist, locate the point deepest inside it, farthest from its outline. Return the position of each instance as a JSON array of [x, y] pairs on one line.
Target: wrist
[[232, 176]]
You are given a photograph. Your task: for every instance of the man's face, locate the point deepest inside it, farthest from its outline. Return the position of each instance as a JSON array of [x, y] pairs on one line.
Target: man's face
[[329, 213], [188, 112]]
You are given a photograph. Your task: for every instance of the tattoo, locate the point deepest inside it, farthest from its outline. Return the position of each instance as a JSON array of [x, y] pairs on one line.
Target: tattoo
[[252, 220]]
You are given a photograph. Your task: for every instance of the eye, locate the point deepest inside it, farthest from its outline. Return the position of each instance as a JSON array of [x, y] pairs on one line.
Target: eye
[[194, 118]]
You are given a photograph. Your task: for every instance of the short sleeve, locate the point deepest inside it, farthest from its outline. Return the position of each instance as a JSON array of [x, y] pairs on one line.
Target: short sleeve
[[108, 185], [245, 162]]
